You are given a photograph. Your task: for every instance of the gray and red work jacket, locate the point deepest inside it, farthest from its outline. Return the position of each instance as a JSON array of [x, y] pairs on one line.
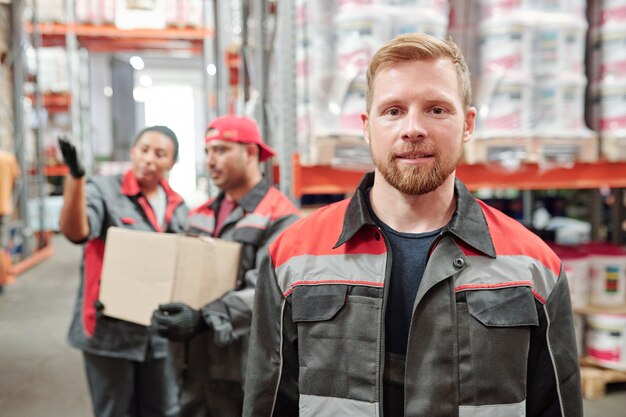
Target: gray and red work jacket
[[260, 216], [117, 201], [492, 330]]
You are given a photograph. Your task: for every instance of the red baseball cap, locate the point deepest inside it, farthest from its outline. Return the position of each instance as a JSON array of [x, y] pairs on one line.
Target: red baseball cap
[[238, 129]]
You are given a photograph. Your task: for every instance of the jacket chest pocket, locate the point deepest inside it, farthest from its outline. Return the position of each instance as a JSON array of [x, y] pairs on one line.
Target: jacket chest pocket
[[338, 340], [494, 337]]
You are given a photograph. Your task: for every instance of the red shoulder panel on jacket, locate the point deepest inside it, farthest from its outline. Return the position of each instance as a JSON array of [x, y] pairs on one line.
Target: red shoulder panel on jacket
[[511, 238], [276, 205], [318, 233]]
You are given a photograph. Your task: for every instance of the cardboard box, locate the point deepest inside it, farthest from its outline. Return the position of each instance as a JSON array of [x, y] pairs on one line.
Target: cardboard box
[[144, 269]]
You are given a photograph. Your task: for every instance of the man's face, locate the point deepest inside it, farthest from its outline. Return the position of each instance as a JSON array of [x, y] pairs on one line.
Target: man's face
[[226, 163], [151, 157], [416, 125]]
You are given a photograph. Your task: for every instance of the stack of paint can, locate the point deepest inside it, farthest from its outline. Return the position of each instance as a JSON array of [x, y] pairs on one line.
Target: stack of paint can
[[596, 275], [360, 29], [608, 74], [336, 40], [532, 82]]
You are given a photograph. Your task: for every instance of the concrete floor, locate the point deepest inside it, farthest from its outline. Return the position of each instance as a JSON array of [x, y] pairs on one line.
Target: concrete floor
[[41, 376]]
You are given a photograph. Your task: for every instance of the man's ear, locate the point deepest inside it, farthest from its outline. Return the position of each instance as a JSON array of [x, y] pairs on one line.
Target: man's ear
[[366, 126], [470, 123], [253, 151]]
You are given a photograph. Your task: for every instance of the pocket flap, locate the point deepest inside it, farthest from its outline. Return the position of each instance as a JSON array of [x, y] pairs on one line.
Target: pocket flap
[[317, 302], [503, 307]]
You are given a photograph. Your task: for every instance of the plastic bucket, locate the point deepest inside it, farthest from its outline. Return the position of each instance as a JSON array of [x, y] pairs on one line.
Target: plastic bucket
[[506, 46], [606, 339], [441, 7], [609, 107], [574, 8], [559, 103], [576, 264], [558, 44], [608, 51], [607, 265], [508, 104], [494, 9], [417, 20], [353, 105], [359, 34], [607, 12]]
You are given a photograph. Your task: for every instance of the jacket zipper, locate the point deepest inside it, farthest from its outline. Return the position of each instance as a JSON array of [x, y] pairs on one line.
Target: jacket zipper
[[381, 346]]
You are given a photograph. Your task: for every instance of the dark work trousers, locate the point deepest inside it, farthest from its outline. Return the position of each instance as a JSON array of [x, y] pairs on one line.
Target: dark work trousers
[[125, 388], [217, 399], [202, 395]]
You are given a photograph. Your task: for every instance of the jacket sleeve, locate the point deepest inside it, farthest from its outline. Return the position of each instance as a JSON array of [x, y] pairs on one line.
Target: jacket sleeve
[[554, 388], [96, 209], [271, 387], [240, 302]]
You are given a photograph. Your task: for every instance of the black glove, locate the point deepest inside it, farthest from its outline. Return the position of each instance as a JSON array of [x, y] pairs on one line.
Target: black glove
[[217, 317], [70, 157], [177, 321]]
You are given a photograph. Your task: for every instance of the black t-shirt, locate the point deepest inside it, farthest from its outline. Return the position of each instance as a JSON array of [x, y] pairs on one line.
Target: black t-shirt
[[409, 252]]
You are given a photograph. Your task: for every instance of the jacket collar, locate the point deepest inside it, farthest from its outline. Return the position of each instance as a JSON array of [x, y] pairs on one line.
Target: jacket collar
[[468, 222], [357, 215], [130, 186], [249, 201]]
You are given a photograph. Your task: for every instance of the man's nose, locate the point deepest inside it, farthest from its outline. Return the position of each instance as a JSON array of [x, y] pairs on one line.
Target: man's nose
[[210, 159], [413, 127]]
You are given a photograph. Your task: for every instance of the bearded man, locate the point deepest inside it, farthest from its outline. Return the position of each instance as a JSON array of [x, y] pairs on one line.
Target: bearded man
[[412, 298]]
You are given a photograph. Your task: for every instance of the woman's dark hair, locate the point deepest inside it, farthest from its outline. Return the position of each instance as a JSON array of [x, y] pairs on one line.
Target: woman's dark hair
[[163, 130]]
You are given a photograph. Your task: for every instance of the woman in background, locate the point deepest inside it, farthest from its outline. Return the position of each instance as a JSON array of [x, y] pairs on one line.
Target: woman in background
[[128, 369]]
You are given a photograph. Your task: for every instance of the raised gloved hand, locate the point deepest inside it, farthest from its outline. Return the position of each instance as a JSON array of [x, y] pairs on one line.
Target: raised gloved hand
[[217, 317], [177, 321], [70, 157]]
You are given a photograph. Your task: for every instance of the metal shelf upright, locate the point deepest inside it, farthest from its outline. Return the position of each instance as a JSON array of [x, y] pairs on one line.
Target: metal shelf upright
[[286, 95]]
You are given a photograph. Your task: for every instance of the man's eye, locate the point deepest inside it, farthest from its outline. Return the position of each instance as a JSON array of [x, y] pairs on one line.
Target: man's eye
[[393, 112], [439, 110]]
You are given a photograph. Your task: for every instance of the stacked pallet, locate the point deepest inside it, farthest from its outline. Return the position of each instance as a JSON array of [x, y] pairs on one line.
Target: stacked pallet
[[595, 378]]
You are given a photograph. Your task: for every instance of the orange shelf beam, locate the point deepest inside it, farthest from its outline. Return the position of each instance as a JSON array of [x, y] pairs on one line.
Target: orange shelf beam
[[55, 102], [134, 44], [318, 179], [43, 252], [108, 38], [534, 177], [60, 170], [110, 31], [322, 179], [36, 258]]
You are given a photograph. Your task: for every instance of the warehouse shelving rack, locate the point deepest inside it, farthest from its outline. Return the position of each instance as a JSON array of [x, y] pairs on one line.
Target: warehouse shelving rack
[[75, 38]]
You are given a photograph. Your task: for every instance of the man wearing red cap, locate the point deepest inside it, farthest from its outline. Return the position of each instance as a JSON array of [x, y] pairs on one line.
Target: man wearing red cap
[[211, 344]]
